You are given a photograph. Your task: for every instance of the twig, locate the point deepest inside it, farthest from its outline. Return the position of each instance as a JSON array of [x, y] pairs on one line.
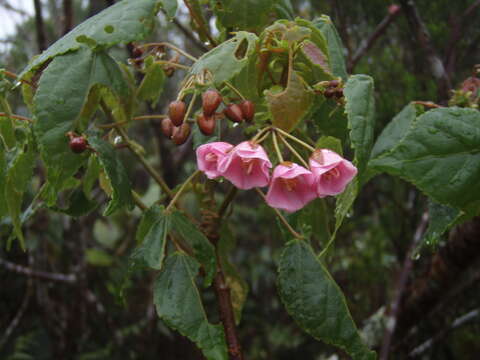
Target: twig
[[68, 16], [400, 288], [171, 46], [189, 35], [181, 190], [372, 39], [41, 38], [458, 322], [16, 117], [202, 26], [21, 311], [226, 202], [138, 201], [420, 30], [14, 76], [153, 173], [19, 269], [281, 217]]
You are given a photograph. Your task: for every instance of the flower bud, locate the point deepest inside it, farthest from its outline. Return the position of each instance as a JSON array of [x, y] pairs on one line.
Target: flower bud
[[78, 144], [338, 93], [176, 112], [333, 83], [167, 127], [248, 110], [180, 134], [211, 99], [234, 112], [329, 93], [206, 124]]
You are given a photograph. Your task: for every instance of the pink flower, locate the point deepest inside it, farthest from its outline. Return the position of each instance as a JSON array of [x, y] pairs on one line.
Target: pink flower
[[292, 187], [246, 166], [209, 155], [332, 172]]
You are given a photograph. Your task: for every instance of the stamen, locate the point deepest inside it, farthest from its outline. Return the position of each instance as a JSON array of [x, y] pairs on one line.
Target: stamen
[[248, 165], [290, 184], [211, 157], [334, 173]]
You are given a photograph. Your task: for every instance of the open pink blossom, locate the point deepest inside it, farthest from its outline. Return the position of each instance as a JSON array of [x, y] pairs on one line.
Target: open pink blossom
[[246, 166], [292, 187], [209, 155], [332, 172]]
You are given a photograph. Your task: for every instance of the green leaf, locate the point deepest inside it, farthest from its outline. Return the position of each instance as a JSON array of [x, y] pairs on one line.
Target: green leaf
[[315, 301], [58, 105], [330, 142], [170, 7], [79, 204], [3, 178], [317, 67], [7, 132], [228, 59], [344, 203], [291, 105], [440, 155], [330, 120], [116, 174], [394, 132], [335, 46], [249, 15], [203, 250], [126, 21], [284, 9], [19, 174], [360, 109], [152, 84], [154, 240], [441, 218], [178, 304]]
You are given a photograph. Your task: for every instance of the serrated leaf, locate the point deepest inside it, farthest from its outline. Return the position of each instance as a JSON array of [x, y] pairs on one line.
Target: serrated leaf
[[440, 155], [228, 59], [170, 7], [178, 304], [247, 15], [394, 132], [317, 66], [58, 105], [18, 176], [123, 22], [203, 250], [152, 232], [335, 46], [116, 174], [360, 110], [315, 301], [291, 105], [152, 84]]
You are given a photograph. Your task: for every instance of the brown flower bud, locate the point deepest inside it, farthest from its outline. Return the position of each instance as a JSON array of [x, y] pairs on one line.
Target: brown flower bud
[[78, 144], [206, 124], [333, 83], [329, 93], [234, 112], [180, 134], [167, 127], [338, 93], [248, 110], [176, 112], [211, 99]]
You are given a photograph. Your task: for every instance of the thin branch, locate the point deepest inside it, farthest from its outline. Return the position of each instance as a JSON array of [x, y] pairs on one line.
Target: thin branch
[[419, 29], [188, 34], [202, 26], [67, 16], [367, 44], [8, 6], [40, 27], [400, 287], [16, 117], [19, 269], [21, 311], [226, 202]]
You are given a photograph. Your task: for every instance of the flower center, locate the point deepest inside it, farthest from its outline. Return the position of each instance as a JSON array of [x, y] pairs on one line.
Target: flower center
[[211, 157], [289, 184], [247, 165], [334, 173]]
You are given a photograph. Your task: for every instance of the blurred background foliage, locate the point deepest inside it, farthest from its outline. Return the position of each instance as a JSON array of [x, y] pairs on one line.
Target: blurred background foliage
[[99, 307]]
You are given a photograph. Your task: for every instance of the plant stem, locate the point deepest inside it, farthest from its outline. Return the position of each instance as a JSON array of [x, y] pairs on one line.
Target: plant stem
[[138, 201], [260, 133], [293, 151], [226, 202], [234, 89], [304, 144], [16, 117], [181, 190], [153, 173], [180, 66], [281, 217], [277, 149], [171, 46], [202, 26]]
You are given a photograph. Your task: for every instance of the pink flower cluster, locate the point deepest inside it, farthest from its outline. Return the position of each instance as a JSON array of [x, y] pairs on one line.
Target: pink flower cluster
[[291, 186]]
